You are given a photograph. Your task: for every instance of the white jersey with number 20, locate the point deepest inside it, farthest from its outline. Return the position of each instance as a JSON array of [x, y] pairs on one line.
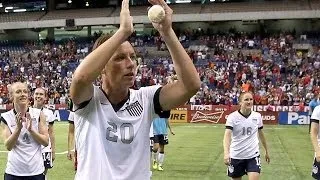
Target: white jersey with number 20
[[115, 145]]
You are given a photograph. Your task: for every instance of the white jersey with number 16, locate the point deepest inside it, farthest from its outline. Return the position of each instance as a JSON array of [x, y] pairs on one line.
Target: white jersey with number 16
[[245, 141]]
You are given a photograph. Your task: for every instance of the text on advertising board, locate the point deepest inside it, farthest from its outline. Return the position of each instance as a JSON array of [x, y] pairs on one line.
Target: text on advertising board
[[294, 118], [178, 116], [213, 117]]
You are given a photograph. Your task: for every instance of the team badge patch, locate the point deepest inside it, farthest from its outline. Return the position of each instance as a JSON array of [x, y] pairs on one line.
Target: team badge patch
[[134, 109], [237, 121]]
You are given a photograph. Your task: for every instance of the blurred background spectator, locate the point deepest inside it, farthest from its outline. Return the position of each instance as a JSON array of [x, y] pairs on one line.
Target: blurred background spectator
[[228, 64]]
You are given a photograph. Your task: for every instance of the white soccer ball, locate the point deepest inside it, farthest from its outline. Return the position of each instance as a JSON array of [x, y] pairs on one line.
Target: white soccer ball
[[156, 13]]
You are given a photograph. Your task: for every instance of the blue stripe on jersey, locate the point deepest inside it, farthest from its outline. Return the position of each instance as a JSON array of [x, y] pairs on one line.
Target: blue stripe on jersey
[[160, 126]]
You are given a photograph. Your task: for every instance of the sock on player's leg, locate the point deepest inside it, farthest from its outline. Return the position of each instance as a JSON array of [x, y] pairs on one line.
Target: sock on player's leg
[[154, 159], [155, 155], [160, 158]]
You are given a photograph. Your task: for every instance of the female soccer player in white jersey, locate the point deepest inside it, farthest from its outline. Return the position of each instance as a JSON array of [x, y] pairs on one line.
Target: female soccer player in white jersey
[[315, 139], [25, 130], [48, 153], [241, 143], [112, 122]]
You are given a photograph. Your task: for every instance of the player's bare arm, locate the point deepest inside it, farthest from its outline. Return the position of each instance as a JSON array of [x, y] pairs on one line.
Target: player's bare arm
[[264, 144], [168, 124], [10, 139], [52, 140], [90, 68], [71, 142], [314, 138], [226, 146], [42, 137], [179, 92]]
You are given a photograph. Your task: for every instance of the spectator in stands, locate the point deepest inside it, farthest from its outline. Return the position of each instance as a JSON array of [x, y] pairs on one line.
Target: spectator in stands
[[226, 60]]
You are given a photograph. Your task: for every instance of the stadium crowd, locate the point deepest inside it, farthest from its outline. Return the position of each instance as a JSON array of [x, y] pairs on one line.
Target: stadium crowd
[[227, 64]]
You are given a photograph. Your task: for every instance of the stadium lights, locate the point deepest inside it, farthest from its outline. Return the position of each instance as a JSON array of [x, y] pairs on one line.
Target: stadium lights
[[6, 9], [1, 5], [183, 1], [179, 1], [19, 10], [87, 3], [69, 1], [219, 0]]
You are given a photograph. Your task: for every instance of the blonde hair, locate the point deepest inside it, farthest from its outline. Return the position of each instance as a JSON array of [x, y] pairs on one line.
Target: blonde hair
[[12, 87]]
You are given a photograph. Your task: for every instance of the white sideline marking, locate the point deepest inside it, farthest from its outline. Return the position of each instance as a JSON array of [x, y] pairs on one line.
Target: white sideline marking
[[191, 126], [213, 126], [61, 153], [61, 123], [64, 152]]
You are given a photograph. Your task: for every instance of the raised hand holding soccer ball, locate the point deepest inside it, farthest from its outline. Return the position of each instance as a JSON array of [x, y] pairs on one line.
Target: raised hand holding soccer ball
[[164, 24], [156, 13]]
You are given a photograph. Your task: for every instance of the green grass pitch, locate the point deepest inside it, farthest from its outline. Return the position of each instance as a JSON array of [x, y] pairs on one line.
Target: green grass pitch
[[196, 153]]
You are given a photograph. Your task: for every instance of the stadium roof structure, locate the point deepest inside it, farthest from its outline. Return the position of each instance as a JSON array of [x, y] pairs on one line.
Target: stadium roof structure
[[192, 12]]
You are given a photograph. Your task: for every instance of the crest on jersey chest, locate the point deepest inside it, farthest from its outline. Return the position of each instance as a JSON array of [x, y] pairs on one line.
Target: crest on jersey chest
[[255, 120], [135, 109]]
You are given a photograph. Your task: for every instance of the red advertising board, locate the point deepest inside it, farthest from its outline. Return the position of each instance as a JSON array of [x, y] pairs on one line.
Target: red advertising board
[[258, 108], [218, 114]]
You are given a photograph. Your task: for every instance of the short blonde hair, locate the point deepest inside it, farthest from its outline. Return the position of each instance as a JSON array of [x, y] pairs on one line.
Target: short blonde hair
[[12, 87]]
